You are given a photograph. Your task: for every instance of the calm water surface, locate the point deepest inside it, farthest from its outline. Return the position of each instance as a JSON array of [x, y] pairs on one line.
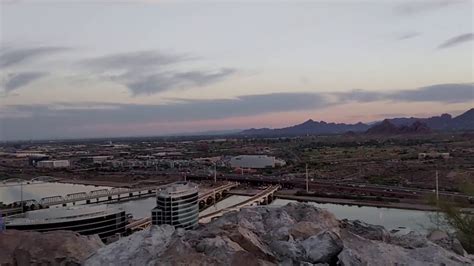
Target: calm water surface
[[10, 192], [390, 218]]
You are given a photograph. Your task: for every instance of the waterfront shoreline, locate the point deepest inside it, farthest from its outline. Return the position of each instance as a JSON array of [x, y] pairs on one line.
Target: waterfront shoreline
[[97, 183], [390, 205]]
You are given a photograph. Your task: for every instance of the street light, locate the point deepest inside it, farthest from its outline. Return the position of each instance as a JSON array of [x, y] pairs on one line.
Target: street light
[[215, 172]]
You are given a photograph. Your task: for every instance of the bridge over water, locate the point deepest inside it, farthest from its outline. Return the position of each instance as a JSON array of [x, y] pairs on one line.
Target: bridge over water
[[263, 197], [116, 194], [205, 198]]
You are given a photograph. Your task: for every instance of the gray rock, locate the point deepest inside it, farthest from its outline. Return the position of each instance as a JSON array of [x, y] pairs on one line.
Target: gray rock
[[140, 248], [349, 257], [303, 230], [369, 231], [457, 247], [219, 247], [180, 252], [287, 251], [307, 213], [447, 241], [251, 243], [411, 240], [322, 248], [437, 235], [295, 234], [49, 248], [360, 251]]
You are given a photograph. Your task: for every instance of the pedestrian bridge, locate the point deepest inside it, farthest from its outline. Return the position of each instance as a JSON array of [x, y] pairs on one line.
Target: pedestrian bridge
[[205, 198], [262, 198], [107, 195], [211, 196]]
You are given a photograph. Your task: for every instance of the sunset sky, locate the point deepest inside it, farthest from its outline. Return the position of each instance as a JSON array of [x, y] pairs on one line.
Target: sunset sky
[[134, 68]]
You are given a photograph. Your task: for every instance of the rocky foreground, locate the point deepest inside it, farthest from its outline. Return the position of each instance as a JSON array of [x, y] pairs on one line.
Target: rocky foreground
[[296, 234], [51, 248]]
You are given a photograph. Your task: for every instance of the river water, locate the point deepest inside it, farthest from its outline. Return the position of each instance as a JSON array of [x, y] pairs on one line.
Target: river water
[[390, 218]]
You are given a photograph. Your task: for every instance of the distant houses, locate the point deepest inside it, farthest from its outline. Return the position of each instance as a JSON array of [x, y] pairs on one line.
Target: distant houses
[[255, 161], [433, 155]]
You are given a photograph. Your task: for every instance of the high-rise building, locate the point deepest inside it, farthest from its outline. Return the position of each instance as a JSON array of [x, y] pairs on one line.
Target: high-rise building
[[53, 164], [177, 205]]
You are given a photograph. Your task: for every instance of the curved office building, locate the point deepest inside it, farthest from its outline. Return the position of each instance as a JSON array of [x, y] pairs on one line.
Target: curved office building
[[87, 220], [177, 205]]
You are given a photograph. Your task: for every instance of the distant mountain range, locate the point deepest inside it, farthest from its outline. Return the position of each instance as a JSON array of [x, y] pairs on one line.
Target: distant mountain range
[[389, 128], [411, 125]]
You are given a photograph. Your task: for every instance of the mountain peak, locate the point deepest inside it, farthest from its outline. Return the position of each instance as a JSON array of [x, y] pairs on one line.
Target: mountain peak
[[446, 116], [402, 125], [388, 128]]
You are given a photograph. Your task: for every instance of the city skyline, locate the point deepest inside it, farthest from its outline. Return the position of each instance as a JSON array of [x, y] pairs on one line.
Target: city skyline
[[111, 68]]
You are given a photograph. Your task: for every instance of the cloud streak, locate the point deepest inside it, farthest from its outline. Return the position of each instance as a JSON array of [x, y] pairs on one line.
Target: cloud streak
[[417, 7], [149, 72], [159, 82], [18, 80], [43, 121], [60, 119], [467, 37], [134, 60], [442, 93], [12, 57], [408, 35]]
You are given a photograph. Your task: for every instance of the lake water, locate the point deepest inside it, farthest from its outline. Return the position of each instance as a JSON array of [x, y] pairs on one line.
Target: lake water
[[10, 192], [390, 218]]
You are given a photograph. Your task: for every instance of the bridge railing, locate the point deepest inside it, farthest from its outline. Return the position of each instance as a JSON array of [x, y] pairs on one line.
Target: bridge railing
[[88, 195], [48, 201], [247, 202]]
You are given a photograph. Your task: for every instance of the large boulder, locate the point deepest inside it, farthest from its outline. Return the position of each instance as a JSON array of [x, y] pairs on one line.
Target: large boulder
[[447, 241], [304, 229], [295, 234], [221, 248], [50, 248], [250, 242], [140, 248], [323, 247], [361, 251], [369, 231]]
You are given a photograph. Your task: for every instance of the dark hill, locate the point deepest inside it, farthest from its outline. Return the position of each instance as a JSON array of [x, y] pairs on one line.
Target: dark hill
[[389, 128], [403, 125], [444, 122], [309, 127]]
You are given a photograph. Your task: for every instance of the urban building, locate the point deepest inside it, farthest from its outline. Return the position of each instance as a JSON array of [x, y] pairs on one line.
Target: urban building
[[177, 205], [35, 158], [100, 159], [87, 220], [433, 155], [53, 164], [255, 161]]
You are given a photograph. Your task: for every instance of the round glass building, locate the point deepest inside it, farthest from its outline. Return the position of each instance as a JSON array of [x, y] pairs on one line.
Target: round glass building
[[177, 205]]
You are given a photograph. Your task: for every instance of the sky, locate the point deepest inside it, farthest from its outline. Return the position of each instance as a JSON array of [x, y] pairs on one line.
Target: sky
[[80, 69]]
